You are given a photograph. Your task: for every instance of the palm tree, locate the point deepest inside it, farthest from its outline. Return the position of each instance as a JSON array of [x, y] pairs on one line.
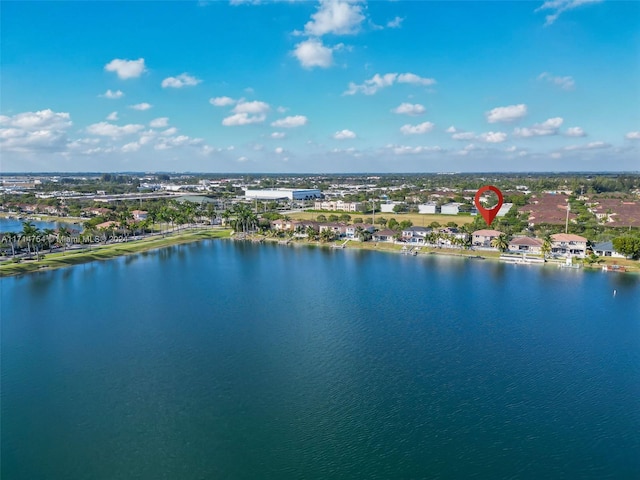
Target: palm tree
[[13, 239], [326, 235], [501, 242], [312, 234], [49, 232], [29, 231], [63, 235]]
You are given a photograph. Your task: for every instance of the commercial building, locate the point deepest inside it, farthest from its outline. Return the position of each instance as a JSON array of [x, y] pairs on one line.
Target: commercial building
[[283, 194], [339, 206]]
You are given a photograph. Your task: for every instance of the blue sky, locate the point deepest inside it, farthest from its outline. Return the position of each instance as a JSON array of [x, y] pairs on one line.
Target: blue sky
[[328, 86]]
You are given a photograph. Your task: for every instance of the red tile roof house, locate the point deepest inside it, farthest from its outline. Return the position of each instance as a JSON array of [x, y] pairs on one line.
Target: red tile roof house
[[526, 245], [482, 238], [568, 244], [415, 234], [284, 225], [384, 236]]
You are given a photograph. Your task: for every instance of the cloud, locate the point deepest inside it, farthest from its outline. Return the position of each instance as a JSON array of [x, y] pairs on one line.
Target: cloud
[[141, 106], [169, 131], [242, 159], [160, 122], [557, 7], [42, 131], [419, 129], [126, 68], [633, 136], [40, 120], [221, 101], [451, 129], [182, 80], [166, 143], [279, 150], [112, 117], [458, 135], [414, 79], [492, 137], [548, 127], [110, 94], [344, 135], [565, 83], [240, 119], [105, 129], [575, 132], [407, 150], [589, 146], [506, 114], [395, 23], [254, 107], [278, 135], [131, 147], [409, 109], [312, 53], [290, 122], [378, 82], [337, 17]]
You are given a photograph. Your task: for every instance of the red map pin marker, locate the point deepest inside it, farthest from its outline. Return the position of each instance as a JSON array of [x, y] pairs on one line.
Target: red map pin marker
[[488, 213]]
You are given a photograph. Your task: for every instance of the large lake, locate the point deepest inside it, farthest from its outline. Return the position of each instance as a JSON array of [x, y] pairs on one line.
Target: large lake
[[223, 360], [15, 225]]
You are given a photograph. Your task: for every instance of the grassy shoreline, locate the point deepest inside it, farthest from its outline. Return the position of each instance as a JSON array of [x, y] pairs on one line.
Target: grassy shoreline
[[105, 252], [52, 261]]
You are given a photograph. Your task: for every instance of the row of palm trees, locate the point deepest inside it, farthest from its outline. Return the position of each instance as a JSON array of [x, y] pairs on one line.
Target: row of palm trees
[[35, 239]]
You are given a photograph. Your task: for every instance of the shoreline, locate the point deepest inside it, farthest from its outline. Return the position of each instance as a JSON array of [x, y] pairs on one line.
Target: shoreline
[[69, 258]]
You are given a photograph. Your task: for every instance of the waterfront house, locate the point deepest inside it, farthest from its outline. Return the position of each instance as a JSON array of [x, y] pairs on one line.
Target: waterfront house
[[415, 234], [568, 244], [526, 245], [338, 229], [482, 238], [605, 249], [386, 235]]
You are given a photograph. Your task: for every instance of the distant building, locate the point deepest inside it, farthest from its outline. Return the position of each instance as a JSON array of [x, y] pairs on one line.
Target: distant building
[[139, 215], [384, 236], [283, 194], [389, 206], [339, 206], [427, 208], [450, 208]]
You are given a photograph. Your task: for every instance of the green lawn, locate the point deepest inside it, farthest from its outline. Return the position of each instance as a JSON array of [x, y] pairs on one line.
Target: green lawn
[[416, 218], [104, 252]]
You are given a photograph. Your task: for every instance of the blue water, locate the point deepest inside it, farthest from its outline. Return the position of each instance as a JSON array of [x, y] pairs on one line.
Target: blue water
[[241, 361], [14, 225]]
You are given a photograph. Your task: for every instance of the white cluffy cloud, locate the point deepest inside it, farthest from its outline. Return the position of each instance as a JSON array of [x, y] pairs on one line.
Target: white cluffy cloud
[[244, 113], [290, 122], [313, 53], [378, 82], [588, 146], [112, 117], [141, 106], [222, 101], [409, 109], [492, 137], [565, 83], [126, 68], [575, 132], [487, 137], [161, 122], [44, 131], [419, 129], [506, 114], [110, 94], [344, 135], [105, 129], [182, 80], [338, 17], [633, 136], [548, 127], [408, 150], [557, 7]]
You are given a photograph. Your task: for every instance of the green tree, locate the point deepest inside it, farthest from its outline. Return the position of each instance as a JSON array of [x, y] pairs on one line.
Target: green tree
[[501, 242], [627, 245]]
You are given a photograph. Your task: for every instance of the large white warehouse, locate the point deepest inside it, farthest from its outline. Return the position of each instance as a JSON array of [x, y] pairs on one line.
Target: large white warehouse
[[284, 193]]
